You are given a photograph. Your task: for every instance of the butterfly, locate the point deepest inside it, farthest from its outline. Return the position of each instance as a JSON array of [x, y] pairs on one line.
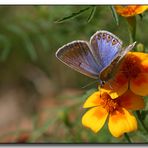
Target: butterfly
[[99, 58]]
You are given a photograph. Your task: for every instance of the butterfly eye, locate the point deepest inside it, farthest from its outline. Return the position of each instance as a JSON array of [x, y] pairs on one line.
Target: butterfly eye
[[102, 83], [114, 42]]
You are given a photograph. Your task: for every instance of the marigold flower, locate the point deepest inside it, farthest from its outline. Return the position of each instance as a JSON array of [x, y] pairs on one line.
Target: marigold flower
[[132, 74], [120, 119], [131, 10]]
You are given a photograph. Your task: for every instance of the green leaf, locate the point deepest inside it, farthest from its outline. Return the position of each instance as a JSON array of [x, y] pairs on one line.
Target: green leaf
[[91, 14], [41, 130], [73, 15], [6, 49], [115, 15], [27, 42], [132, 28], [144, 113], [65, 118], [142, 135], [39, 36]]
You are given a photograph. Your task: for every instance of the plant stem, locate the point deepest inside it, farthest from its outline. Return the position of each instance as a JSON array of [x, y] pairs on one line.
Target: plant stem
[[141, 121], [132, 28], [127, 138]]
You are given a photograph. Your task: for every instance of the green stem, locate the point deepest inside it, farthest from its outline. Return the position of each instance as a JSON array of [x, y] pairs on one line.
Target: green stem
[[132, 28], [127, 138], [141, 121]]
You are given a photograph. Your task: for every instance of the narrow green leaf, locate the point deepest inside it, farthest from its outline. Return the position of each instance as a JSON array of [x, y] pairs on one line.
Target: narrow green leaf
[[144, 126], [6, 48], [40, 130], [127, 138], [91, 14], [142, 135], [144, 113], [27, 42], [30, 49], [115, 15], [75, 14], [39, 36]]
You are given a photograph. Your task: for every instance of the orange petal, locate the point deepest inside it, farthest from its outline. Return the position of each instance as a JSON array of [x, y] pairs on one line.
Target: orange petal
[[131, 101], [139, 85], [144, 65], [131, 10], [121, 122], [95, 118], [93, 100], [142, 56], [117, 86], [142, 60]]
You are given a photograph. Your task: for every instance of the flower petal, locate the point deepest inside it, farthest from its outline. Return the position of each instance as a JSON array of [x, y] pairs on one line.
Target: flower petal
[[142, 60], [131, 10], [121, 121], [95, 118], [139, 85], [117, 86], [140, 55], [93, 100], [131, 101]]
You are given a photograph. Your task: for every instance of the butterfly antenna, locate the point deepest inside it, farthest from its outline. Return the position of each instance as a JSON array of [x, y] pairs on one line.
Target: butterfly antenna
[[89, 84], [110, 85]]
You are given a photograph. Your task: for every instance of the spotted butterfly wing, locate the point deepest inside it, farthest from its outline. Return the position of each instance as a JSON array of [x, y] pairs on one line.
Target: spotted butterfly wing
[[105, 47], [107, 50]]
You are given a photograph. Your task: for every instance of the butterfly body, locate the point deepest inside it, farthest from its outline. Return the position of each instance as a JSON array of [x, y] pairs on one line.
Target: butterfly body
[[97, 59]]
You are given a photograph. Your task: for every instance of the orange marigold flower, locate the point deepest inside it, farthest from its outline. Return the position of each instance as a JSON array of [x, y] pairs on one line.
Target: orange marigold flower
[[120, 119], [131, 10], [132, 74]]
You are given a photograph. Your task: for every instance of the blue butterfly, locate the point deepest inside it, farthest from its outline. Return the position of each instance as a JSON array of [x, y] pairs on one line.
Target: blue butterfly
[[98, 59]]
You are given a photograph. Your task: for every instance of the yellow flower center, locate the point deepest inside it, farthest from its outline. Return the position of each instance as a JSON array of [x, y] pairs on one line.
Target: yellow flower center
[[131, 67], [109, 104]]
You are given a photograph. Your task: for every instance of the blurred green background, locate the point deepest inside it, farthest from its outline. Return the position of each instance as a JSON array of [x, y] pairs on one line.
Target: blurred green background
[[41, 99]]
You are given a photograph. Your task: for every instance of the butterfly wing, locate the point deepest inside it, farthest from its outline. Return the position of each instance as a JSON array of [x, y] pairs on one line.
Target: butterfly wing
[[105, 47], [78, 56], [110, 70], [124, 51]]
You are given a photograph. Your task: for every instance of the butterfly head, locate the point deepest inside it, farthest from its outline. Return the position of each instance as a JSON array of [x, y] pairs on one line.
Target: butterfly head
[[101, 83]]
